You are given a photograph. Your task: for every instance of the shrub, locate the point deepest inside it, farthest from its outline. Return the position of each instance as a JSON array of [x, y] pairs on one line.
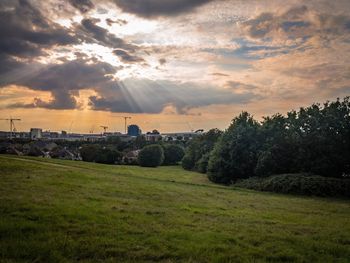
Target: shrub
[[88, 152], [173, 154], [151, 156], [108, 156], [301, 184], [187, 162]]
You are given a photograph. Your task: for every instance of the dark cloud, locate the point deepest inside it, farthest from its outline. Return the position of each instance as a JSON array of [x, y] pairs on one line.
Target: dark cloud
[[218, 74], [82, 5], [156, 8], [60, 101], [63, 80], [103, 36], [120, 22], [126, 57], [25, 32], [162, 61], [147, 96], [72, 75]]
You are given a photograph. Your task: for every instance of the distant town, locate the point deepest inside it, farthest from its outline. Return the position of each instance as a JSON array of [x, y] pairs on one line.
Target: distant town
[[132, 132]]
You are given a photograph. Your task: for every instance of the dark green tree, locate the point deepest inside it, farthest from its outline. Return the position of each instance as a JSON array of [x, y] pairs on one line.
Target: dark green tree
[[172, 154], [197, 147], [108, 156], [88, 152], [235, 154], [151, 156], [278, 147]]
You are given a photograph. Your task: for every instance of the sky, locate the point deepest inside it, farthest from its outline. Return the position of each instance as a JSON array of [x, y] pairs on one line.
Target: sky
[[171, 65]]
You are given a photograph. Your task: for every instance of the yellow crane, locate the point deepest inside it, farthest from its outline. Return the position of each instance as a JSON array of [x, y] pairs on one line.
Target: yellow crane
[[12, 125]]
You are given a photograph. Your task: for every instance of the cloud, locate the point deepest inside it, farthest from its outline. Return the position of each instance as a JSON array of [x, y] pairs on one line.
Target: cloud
[[120, 22], [162, 61], [60, 101], [147, 96], [219, 74], [82, 5], [126, 57], [25, 32], [297, 22], [103, 36], [157, 8], [239, 87], [65, 80]]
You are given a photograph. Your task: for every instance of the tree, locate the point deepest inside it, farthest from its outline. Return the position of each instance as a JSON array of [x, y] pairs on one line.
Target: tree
[[172, 154], [108, 156], [88, 152], [151, 156], [278, 148], [202, 163], [199, 146], [235, 154]]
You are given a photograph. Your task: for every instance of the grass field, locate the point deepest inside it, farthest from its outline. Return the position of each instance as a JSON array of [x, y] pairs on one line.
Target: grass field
[[63, 211]]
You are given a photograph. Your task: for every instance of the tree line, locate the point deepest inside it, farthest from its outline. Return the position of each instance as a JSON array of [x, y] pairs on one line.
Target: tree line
[[314, 139]]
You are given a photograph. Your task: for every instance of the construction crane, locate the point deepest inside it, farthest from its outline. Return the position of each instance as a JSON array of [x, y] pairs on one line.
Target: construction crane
[[91, 131], [12, 125], [125, 121], [104, 128]]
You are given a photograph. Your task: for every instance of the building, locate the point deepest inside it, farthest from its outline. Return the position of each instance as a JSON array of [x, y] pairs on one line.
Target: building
[[134, 130], [153, 136], [35, 133], [181, 136], [49, 135]]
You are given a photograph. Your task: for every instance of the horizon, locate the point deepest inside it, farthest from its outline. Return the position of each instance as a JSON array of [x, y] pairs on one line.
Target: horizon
[[174, 66]]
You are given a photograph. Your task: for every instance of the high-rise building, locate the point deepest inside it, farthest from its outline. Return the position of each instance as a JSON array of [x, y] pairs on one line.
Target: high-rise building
[[134, 130]]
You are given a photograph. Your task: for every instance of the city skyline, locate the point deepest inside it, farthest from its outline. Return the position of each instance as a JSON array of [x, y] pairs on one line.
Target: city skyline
[[170, 65]]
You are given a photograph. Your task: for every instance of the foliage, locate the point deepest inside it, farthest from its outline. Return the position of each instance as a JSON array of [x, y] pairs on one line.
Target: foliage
[[108, 156], [202, 163], [151, 156], [278, 147], [99, 154], [199, 146], [187, 162], [314, 140], [88, 152], [172, 154], [301, 184], [235, 154]]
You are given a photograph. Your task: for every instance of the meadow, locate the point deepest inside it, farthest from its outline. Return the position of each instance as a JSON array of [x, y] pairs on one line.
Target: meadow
[[66, 211]]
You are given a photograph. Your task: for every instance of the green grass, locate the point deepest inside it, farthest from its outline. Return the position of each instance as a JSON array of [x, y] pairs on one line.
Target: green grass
[[63, 211]]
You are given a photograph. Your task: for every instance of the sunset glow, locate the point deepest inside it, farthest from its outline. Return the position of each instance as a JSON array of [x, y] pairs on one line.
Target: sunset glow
[[171, 65]]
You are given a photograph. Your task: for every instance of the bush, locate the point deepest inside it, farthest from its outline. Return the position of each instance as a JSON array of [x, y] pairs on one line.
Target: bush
[[95, 153], [88, 152], [173, 154], [108, 156], [300, 184], [151, 156], [187, 162]]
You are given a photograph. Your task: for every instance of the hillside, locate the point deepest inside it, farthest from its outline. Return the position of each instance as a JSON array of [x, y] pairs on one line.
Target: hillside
[[56, 211]]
